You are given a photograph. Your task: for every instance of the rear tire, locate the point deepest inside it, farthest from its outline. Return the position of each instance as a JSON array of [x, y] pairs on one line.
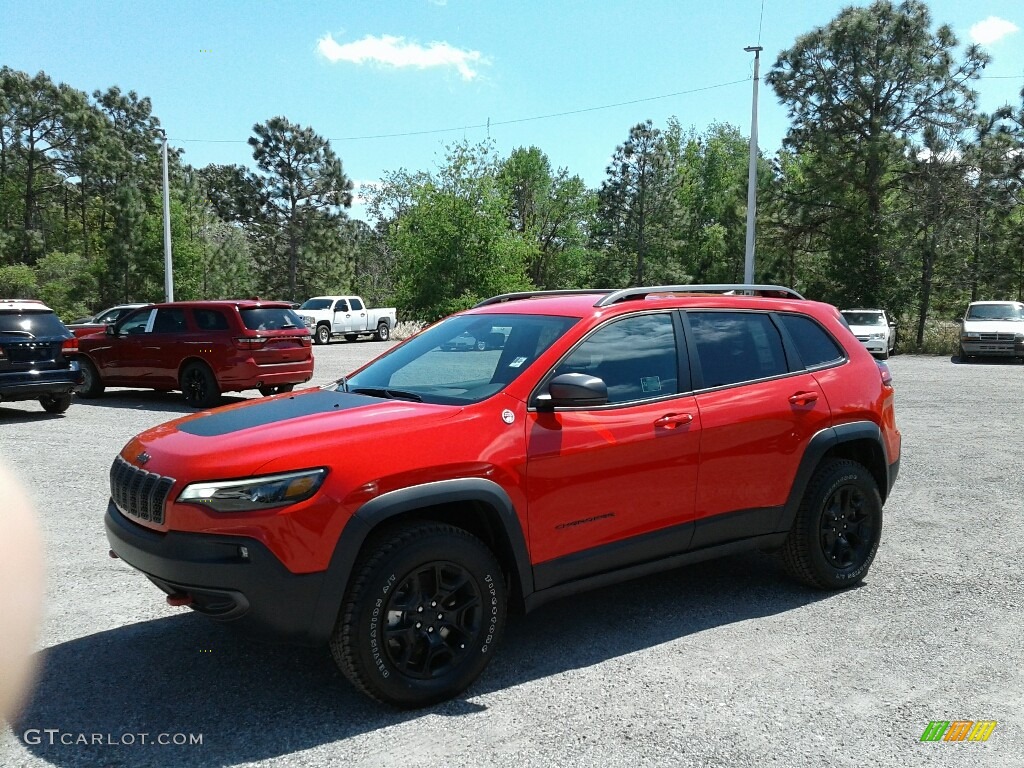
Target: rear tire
[[55, 403], [92, 386], [199, 386], [837, 529], [422, 615], [383, 332]]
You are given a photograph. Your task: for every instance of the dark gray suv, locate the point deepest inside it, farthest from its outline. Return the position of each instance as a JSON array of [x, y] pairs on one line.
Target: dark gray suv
[[32, 361]]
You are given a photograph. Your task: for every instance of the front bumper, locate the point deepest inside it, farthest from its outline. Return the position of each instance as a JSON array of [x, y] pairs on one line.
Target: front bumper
[[1000, 348], [228, 578]]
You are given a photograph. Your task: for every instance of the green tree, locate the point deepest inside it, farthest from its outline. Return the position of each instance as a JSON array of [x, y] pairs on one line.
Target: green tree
[[858, 91], [305, 190], [551, 211], [636, 207]]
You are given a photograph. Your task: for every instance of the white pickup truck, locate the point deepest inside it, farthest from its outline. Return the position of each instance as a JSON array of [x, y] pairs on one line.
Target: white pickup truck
[[348, 316]]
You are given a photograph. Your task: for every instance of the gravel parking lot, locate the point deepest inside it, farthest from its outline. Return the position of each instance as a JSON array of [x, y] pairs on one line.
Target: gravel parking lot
[[724, 663]]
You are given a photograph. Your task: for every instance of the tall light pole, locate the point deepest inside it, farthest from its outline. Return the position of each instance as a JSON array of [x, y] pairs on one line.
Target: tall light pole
[[168, 264], [748, 261]]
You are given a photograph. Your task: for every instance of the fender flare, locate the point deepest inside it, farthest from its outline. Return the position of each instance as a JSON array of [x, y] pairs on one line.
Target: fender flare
[[817, 448], [394, 503]]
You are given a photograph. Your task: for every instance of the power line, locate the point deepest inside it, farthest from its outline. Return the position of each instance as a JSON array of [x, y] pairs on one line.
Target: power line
[[490, 123]]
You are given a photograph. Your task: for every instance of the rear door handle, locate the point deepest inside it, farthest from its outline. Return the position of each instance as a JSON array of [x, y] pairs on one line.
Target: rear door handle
[[673, 420], [803, 398]]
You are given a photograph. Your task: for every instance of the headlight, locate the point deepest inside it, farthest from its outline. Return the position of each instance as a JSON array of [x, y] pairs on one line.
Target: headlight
[[972, 336], [877, 336], [255, 492]]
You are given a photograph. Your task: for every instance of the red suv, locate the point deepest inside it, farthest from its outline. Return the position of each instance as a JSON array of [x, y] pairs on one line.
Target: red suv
[[203, 348], [398, 513]]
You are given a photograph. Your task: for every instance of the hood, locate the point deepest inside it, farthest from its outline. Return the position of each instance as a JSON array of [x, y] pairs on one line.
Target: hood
[[240, 440], [867, 330], [993, 326]]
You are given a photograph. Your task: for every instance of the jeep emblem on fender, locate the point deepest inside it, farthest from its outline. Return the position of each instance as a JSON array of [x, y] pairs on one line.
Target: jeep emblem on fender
[[142, 458]]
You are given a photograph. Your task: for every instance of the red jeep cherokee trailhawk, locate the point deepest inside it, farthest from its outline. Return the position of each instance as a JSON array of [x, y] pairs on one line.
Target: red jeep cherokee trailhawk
[[396, 513]]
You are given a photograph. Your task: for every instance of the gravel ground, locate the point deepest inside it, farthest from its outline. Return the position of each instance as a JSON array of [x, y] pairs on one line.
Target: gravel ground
[[723, 663]]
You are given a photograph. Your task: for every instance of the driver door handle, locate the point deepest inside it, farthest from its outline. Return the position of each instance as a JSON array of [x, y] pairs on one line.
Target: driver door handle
[[673, 420]]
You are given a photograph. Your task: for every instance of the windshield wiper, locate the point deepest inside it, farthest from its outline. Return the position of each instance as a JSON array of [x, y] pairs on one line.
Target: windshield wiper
[[393, 394]]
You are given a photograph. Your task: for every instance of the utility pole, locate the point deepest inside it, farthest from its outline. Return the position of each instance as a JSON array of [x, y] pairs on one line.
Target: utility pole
[[748, 261], [168, 264]]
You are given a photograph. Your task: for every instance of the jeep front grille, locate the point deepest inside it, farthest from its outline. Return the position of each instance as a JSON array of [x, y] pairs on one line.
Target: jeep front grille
[[139, 493]]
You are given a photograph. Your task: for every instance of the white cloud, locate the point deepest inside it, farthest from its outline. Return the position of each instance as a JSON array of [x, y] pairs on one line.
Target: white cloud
[[992, 30], [396, 52]]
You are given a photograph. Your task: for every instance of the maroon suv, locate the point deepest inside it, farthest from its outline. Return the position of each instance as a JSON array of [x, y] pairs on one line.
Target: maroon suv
[[203, 348]]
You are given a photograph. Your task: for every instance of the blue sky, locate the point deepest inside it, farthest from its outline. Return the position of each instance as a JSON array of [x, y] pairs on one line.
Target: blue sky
[[356, 69]]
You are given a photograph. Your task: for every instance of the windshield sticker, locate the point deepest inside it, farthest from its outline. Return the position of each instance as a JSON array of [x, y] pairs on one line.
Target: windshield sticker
[[517, 362], [650, 384]]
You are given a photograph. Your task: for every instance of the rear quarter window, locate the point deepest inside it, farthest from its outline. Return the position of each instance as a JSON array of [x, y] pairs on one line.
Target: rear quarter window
[[814, 345]]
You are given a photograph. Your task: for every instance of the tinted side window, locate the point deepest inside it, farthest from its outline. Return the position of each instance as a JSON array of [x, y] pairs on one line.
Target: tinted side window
[[737, 346], [636, 358], [169, 320], [136, 322], [815, 346], [356, 305], [210, 320], [341, 306]]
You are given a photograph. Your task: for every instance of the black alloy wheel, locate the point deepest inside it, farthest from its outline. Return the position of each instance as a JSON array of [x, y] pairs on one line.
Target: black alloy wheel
[[422, 616]]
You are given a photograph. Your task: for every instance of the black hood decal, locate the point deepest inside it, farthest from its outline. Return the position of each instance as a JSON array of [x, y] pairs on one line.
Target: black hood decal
[[260, 414]]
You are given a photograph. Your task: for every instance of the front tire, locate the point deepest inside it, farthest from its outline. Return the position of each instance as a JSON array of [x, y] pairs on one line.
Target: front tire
[[276, 390], [55, 403], [92, 385], [962, 356], [322, 335], [383, 332], [422, 615], [199, 386], [837, 529]]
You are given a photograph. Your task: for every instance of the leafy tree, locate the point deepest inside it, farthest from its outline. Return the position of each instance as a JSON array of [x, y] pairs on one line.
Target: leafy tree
[[636, 206], [857, 91], [304, 191], [551, 211]]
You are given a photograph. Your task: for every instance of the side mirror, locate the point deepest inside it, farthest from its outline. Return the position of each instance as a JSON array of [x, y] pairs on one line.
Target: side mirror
[[573, 390], [959, 321]]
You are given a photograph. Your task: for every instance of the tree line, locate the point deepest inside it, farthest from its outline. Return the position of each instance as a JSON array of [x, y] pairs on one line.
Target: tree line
[[891, 190]]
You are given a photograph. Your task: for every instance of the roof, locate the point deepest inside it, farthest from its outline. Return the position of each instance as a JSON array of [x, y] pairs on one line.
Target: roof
[[23, 304], [581, 303], [240, 303]]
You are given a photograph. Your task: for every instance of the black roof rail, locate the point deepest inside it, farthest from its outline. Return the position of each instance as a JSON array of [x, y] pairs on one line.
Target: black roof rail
[[505, 297], [626, 294]]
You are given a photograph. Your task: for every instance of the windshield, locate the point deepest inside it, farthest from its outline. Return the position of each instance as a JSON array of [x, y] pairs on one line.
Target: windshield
[[317, 304], [31, 325], [864, 318], [461, 360], [1008, 311]]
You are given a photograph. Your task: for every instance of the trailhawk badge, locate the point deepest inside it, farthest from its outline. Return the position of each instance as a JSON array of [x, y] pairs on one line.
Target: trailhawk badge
[[507, 416]]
